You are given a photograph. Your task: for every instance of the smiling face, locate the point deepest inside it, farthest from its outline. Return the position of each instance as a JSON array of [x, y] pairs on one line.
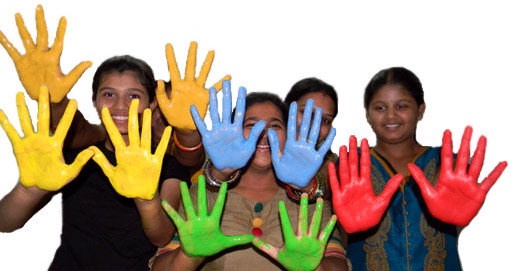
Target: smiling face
[[327, 106], [273, 118], [116, 91], [393, 114]]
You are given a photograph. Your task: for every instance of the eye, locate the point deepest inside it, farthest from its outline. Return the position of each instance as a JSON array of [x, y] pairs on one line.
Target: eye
[[401, 106], [134, 96], [326, 121], [249, 125], [108, 94], [380, 108], [276, 126]]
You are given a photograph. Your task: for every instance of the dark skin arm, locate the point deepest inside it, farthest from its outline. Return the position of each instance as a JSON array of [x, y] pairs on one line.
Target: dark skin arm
[[19, 205]]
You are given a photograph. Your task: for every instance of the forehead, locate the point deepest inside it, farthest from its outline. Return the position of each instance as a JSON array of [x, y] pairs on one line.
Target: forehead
[[264, 111], [391, 93], [121, 80], [321, 99]]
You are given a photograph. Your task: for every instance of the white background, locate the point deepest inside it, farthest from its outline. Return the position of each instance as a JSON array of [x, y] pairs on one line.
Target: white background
[[466, 55]]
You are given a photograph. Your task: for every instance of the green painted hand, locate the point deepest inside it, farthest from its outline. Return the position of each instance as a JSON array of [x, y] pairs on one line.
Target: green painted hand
[[200, 235], [303, 251]]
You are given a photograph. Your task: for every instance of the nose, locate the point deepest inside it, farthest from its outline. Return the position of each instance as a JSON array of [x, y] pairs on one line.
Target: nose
[[391, 112], [121, 104]]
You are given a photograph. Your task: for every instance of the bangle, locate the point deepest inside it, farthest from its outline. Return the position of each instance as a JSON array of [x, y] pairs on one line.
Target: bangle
[[211, 180], [297, 194], [183, 148]]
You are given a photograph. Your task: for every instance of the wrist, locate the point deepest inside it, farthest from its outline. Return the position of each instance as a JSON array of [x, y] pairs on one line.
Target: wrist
[[215, 177]]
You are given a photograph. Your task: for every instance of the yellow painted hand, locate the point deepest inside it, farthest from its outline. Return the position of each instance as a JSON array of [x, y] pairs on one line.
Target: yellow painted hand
[[187, 91], [39, 156], [41, 65], [138, 170]]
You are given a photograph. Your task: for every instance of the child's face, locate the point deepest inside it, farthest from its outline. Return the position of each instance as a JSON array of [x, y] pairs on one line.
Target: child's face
[[116, 91]]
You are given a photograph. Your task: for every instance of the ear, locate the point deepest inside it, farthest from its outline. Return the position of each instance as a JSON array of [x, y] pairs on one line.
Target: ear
[[422, 108], [366, 116]]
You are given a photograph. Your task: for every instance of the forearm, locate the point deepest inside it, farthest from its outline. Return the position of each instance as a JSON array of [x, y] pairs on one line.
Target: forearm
[[176, 260], [81, 133], [188, 139], [19, 205], [157, 226], [332, 262]]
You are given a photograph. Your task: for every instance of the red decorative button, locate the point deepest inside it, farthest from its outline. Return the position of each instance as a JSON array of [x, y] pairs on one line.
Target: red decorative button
[[257, 232]]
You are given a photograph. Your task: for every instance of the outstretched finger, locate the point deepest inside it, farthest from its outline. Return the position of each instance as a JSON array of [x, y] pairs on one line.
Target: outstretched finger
[[325, 234], [391, 187], [238, 240], [213, 105], [218, 85], [226, 104], [306, 120], [240, 107], [478, 159], [353, 157], [274, 144], [57, 47], [163, 144], [42, 37], [103, 162], [364, 164], [191, 62], [112, 130], [202, 204], [133, 123], [43, 111], [427, 190], [175, 75], [447, 152], [291, 123], [201, 126], [9, 47], [80, 161], [204, 71], [286, 222], [216, 212], [73, 77], [344, 169], [27, 40], [266, 247], [146, 132], [463, 154], [66, 120], [303, 221], [315, 129], [254, 135], [333, 180], [325, 147], [316, 218], [492, 178], [23, 115], [175, 217], [9, 129], [186, 201]]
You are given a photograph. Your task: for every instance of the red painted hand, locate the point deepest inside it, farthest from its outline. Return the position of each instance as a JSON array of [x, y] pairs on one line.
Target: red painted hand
[[457, 196], [355, 204]]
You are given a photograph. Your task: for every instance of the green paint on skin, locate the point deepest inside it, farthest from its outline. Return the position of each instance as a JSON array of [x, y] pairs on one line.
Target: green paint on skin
[[306, 252], [200, 234]]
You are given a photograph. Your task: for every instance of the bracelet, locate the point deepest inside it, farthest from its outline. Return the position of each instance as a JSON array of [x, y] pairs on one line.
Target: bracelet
[[297, 194], [183, 148], [211, 180]]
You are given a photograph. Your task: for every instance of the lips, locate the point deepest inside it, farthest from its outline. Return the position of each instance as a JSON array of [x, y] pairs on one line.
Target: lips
[[392, 126], [120, 118]]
